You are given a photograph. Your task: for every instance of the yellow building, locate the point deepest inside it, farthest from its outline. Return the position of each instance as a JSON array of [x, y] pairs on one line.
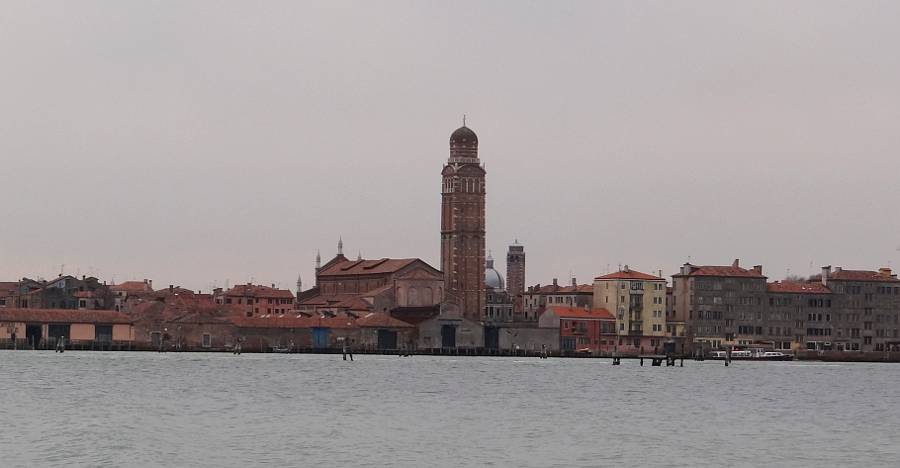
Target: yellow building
[[638, 301]]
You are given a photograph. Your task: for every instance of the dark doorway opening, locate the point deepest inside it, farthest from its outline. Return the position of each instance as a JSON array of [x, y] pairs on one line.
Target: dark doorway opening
[[103, 333], [448, 336], [492, 338], [33, 334], [387, 339]]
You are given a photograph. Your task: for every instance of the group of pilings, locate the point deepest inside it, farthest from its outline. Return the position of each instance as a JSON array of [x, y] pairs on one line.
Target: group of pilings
[[656, 360]]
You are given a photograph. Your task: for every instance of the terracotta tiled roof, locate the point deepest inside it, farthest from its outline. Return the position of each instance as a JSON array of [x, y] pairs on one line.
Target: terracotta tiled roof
[[131, 287], [288, 321], [721, 270], [354, 303], [798, 287], [859, 275], [321, 300], [578, 313], [293, 321], [380, 320], [255, 290], [630, 275], [367, 267], [63, 316], [578, 289]]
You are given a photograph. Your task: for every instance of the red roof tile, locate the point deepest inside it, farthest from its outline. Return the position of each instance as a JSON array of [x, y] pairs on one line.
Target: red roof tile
[[797, 287], [630, 275], [860, 275], [551, 289], [131, 287], [721, 270], [367, 267], [578, 313], [63, 316], [380, 320]]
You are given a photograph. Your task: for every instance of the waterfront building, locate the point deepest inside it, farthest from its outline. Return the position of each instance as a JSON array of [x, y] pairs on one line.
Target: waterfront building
[[30, 328], [127, 289], [385, 284], [583, 330], [793, 306], [258, 299], [713, 300], [463, 226], [537, 297], [864, 312], [638, 302], [62, 292]]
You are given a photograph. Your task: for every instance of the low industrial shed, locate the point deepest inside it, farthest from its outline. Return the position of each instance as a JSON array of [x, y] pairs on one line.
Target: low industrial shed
[[43, 328]]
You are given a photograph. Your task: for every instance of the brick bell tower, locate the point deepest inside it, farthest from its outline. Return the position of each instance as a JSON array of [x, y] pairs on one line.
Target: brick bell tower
[[462, 225]]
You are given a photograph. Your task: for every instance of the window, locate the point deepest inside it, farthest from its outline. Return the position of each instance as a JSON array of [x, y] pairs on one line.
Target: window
[[207, 340]]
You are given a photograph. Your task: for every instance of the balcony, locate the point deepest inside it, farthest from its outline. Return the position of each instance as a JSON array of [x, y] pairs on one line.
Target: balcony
[[636, 330]]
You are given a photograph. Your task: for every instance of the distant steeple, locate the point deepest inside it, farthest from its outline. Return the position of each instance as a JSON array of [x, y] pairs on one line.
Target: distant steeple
[[299, 284], [359, 255], [318, 260], [340, 246]]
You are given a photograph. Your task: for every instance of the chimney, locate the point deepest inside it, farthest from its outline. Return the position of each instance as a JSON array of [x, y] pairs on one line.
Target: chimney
[[686, 269], [171, 287], [838, 270], [886, 272], [626, 270], [273, 285], [660, 273], [150, 283], [757, 269], [574, 282], [555, 282], [737, 263], [83, 277], [826, 272]]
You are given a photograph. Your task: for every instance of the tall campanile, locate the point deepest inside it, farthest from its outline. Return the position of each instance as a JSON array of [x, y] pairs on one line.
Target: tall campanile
[[462, 225]]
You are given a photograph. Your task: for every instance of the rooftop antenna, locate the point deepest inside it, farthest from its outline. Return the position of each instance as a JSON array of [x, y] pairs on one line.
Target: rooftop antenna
[[464, 120]]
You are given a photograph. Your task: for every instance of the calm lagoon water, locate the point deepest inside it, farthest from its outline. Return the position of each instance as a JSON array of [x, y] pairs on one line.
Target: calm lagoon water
[[141, 409]]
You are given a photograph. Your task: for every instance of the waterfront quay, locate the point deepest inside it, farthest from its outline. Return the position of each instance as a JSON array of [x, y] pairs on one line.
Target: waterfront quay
[[466, 306]]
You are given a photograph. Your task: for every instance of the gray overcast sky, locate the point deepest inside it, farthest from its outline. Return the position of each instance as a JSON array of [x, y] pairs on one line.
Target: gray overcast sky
[[199, 142]]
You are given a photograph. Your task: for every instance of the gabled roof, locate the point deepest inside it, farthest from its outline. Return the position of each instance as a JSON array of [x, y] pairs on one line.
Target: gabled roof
[[380, 320], [132, 287], [628, 274], [797, 287], [63, 316], [556, 289], [859, 275], [346, 267], [579, 313], [720, 270]]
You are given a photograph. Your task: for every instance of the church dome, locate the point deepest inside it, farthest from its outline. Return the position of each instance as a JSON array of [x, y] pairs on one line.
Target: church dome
[[492, 277], [463, 136]]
